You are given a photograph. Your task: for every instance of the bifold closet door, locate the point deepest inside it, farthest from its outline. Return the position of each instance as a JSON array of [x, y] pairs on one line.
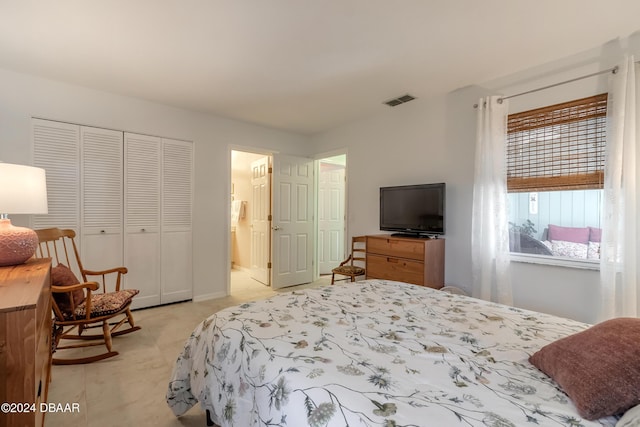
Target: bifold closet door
[[84, 187], [101, 201], [142, 158], [56, 149], [129, 198], [177, 201]]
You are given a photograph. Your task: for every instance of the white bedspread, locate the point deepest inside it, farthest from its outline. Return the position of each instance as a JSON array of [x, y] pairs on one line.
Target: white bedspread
[[373, 353]]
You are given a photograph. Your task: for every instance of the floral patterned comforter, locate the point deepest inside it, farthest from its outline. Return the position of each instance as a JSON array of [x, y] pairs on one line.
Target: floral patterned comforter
[[373, 353]]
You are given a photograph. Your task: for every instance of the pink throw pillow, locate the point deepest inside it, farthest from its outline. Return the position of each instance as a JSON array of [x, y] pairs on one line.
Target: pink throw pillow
[[569, 234]]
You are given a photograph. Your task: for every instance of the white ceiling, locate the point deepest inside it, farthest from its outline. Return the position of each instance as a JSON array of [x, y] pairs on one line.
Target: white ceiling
[[299, 65]]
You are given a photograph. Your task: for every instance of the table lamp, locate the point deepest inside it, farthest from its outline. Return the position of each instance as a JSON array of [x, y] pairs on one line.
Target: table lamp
[[23, 190]]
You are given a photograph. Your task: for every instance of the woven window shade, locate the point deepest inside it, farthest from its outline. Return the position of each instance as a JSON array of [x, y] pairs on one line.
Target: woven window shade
[[560, 147]]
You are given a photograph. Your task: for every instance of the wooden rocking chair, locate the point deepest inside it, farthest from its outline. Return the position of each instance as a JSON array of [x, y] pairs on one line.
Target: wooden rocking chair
[[78, 306], [348, 267]]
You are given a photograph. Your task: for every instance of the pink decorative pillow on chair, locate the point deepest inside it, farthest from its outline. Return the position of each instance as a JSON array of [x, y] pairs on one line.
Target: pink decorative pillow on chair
[[569, 234], [595, 234], [61, 275]]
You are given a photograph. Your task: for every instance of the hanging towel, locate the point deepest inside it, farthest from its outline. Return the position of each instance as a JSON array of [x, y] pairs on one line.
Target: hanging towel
[[237, 211]]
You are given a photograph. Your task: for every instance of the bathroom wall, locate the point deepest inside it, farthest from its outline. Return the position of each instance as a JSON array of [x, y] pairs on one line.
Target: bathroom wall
[[241, 190]]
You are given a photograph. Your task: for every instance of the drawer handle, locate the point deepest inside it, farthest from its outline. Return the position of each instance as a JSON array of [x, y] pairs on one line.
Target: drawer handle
[[394, 260]]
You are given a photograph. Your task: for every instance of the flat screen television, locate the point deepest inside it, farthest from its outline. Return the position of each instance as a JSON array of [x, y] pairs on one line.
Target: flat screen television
[[414, 210]]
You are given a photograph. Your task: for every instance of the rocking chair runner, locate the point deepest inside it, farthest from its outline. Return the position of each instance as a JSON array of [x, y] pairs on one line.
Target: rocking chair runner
[[348, 267], [77, 306]]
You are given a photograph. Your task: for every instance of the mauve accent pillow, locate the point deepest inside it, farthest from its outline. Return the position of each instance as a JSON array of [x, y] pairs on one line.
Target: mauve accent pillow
[[598, 368], [61, 275], [569, 234], [595, 234]]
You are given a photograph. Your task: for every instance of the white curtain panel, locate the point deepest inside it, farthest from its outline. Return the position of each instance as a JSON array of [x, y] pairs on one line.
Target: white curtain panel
[[489, 227], [619, 249]]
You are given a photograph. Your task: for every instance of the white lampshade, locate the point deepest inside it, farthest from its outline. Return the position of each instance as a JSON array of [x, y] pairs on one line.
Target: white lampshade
[[23, 189]]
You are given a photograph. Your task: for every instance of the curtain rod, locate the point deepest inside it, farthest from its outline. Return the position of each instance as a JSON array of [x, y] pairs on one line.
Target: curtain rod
[[613, 70]]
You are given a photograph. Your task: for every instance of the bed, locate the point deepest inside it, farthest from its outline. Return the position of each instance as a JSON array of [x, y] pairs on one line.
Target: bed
[[373, 353]]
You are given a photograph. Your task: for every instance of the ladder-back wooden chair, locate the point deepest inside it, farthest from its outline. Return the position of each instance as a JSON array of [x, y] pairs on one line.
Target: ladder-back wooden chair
[[353, 266], [82, 305]]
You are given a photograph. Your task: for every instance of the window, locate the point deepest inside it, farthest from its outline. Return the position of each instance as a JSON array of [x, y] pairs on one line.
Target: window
[[555, 176]]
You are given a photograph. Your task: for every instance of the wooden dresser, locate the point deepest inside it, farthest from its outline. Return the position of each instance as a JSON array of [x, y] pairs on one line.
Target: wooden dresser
[[406, 259], [25, 341]]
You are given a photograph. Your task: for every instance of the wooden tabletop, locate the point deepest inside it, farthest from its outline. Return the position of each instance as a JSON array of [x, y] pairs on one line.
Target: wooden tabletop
[[20, 285]]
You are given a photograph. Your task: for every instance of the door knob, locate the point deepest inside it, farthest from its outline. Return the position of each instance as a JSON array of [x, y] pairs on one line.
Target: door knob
[[275, 227]]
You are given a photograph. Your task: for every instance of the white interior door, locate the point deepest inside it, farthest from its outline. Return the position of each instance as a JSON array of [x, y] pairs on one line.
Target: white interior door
[[292, 225], [260, 225], [331, 198]]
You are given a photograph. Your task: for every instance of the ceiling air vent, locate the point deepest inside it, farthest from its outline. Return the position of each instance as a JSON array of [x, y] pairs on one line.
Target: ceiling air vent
[[400, 100]]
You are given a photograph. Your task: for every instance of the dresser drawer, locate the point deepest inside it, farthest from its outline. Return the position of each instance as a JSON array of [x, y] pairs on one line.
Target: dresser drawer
[[393, 268], [400, 248]]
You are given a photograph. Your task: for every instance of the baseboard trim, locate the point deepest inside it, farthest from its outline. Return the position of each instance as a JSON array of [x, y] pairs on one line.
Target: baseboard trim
[[207, 297]]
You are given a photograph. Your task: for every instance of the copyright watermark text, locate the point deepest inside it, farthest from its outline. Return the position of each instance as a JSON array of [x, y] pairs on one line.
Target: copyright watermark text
[[24, 407]]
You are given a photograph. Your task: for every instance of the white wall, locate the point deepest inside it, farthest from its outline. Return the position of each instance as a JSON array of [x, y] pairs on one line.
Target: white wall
[[431, 140], [423, 141], [25, 96]]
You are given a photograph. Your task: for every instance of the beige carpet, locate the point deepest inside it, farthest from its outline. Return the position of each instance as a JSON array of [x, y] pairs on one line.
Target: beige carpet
[[129, 389]]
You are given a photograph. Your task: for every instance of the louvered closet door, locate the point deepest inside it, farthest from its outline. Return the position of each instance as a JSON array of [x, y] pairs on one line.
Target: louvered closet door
[[101, 198], [177, 196], [56, 149], [142, 217]]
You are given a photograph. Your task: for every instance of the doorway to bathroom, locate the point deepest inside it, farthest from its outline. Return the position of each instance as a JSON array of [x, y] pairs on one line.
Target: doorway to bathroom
[[250, 228], [291, 235]]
